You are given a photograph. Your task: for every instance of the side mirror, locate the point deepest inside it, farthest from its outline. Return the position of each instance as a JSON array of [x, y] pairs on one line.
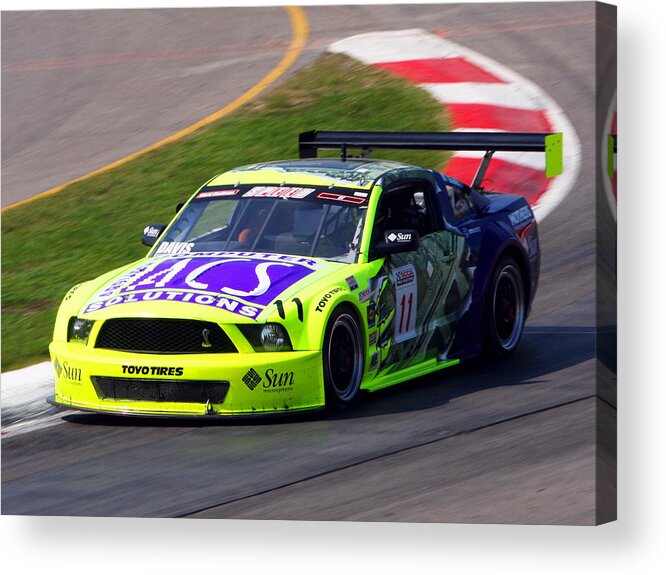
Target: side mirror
[[151, 232], [397, 242]]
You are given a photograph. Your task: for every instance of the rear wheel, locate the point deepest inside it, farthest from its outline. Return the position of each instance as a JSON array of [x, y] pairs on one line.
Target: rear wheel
[[342, 358], [505, 310]]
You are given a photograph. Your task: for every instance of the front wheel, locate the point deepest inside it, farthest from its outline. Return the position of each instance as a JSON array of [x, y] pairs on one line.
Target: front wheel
[[505, 310], [342, 358]]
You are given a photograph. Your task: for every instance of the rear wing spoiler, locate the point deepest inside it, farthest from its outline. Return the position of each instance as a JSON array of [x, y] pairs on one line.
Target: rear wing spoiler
[[489, 142]]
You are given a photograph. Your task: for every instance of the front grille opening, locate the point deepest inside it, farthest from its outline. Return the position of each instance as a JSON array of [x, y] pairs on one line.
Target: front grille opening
[[167, 336], [160, 390]]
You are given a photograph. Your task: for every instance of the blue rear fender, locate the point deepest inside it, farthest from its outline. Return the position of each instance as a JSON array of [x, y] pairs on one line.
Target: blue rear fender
[[495, 239], [503, 224]]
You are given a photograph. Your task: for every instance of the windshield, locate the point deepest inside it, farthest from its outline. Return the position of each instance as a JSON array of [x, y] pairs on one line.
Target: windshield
[[315, 222]]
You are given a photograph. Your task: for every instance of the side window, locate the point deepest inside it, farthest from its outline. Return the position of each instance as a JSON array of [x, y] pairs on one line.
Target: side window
[[461, 203], [407, 207]]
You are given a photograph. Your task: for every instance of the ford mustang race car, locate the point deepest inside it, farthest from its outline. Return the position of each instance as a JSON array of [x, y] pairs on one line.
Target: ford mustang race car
[[293, 285]]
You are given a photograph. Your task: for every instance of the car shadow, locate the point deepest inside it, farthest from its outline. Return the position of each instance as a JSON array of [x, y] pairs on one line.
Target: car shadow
[[543, 351]]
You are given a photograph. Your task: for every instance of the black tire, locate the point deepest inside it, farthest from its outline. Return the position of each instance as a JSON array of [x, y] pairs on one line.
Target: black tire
[[505, 310], [343, 357]]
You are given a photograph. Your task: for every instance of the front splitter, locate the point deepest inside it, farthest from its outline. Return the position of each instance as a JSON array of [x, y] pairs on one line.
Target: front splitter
[[190, 416]]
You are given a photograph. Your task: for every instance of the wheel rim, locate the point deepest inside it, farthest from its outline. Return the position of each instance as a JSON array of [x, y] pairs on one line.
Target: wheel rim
[[344, 357], [508, 307]]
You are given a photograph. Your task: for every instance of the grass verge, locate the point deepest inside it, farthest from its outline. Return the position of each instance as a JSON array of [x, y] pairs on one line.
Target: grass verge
[[94, 226]]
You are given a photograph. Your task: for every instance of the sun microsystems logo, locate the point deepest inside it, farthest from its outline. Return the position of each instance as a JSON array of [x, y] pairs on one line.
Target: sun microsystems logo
[[57, 366], [252, 379], [392, 237]]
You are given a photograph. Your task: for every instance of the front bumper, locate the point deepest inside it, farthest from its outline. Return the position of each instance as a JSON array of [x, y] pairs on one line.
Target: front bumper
[[258, 383]]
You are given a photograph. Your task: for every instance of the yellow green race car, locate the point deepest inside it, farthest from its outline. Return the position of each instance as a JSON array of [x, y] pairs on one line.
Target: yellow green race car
[[293, 285]]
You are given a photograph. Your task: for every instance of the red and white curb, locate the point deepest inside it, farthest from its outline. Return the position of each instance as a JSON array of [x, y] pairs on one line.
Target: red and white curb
[[479, 94]]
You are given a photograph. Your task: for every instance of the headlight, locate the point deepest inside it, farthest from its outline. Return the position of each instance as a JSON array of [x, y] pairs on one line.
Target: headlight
[[266, 337], [79, 330], [274, 337]]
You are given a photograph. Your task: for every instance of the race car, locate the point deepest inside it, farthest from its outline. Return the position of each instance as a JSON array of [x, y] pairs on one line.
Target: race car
[[294, 285]]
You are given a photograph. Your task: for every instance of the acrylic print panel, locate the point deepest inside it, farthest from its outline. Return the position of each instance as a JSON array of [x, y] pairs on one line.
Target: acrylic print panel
[[116, 116]]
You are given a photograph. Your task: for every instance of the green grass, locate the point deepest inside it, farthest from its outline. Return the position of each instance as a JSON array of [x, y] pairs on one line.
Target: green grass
[[94, 226]]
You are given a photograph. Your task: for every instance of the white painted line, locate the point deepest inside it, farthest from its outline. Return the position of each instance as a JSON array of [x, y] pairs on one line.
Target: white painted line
[[509, 95], [23, 394], [395, 46], [209, 67]]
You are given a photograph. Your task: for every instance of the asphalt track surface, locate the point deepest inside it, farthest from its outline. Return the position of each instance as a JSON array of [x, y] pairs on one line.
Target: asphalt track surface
[[83, 89], [488, 443]]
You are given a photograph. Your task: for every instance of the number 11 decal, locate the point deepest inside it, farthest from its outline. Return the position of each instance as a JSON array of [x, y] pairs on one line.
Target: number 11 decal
[[403, 308], [405, 298]]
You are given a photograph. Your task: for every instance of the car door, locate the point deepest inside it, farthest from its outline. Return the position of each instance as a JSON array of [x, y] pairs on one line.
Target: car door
[[424, 289]]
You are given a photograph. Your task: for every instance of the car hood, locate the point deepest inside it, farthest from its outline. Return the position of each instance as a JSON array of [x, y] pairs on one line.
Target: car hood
[[240, 283]]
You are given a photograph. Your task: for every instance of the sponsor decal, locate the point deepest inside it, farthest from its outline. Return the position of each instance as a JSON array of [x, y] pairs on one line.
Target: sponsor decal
[[241, 285], [372, 314], [324, 299], [340, 198], [404, 276], [352, 283], [151, 231], [208, 193], [71, 373], [174, 248], [372, 338], [251, 255], [361, 194], [278, 192], [277, 381], [406, 301], [364, 295], [252, 379], [152, 370], [374, 361], [66, 371], [272, 382], [399, 237], [520, 216], [225, 303]]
